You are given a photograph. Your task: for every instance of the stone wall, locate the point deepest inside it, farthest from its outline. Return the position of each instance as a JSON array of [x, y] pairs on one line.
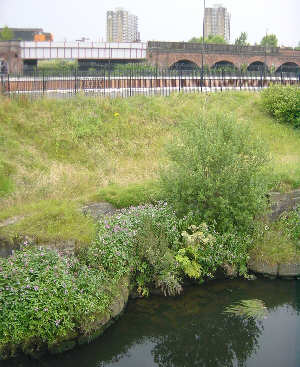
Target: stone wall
[[283, 202]]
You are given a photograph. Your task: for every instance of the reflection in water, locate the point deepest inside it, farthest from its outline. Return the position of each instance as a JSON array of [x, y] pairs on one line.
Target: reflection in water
[[216, 341], [192, 330]]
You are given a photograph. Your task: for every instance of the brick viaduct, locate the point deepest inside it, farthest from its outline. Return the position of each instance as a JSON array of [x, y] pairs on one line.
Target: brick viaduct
[[166, 54]]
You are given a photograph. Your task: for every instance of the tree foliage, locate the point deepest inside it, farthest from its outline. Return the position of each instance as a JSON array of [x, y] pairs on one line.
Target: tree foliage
[[269, 40], [242, 40], [210, 39], [6, 34], [217, 171]]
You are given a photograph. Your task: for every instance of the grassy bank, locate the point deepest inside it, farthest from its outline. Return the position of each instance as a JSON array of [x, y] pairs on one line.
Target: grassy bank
[[58, 155]]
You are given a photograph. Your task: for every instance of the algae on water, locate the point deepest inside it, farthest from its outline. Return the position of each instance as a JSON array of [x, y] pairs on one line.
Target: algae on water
[[249, 308]]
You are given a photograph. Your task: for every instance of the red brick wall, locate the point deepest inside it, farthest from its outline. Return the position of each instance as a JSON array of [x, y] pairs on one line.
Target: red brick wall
[[167, 59]]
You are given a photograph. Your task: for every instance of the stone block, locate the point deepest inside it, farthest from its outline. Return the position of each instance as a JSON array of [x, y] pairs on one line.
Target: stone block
[[289, 270], [116, 307], [62, 347], [263, 268], [98, 210]]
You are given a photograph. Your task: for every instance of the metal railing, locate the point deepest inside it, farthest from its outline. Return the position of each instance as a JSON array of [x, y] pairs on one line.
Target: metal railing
[[132, 80]]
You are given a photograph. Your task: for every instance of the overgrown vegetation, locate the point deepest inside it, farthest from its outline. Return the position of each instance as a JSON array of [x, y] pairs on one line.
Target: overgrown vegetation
[[47, 298], [82, 150], [58, 155], [139, 240], [203, 251], [283, 103]]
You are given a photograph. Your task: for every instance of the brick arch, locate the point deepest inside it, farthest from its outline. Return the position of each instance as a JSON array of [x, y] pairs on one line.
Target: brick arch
[[227, 59], [224, 60], [287, 62], [191, 58], [211, 60], [251, 60], [264, 65], [185, 61]]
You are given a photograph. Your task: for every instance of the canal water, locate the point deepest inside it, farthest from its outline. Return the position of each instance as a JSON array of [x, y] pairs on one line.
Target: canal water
[[193, 330]]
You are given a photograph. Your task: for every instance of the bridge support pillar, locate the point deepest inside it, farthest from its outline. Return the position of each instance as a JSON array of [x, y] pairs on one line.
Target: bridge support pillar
[[10, 52]]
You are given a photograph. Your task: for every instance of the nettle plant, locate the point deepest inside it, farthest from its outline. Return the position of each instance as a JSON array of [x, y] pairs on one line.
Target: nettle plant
[[139, 242]]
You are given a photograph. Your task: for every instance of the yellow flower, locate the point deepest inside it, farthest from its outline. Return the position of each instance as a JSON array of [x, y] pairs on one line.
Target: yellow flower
[[116, 114]]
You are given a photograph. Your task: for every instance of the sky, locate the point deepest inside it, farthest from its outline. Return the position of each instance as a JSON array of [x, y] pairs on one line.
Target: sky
[[161, 20]]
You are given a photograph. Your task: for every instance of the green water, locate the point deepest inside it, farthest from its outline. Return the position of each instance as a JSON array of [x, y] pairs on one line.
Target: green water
[[193, 330]]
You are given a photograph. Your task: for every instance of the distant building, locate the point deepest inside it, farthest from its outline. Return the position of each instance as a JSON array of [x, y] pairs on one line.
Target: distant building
[[217, 22], [121, 26], [30, 34]]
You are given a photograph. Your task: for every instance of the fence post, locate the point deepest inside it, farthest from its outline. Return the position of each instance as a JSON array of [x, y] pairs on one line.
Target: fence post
[[104, 81], [201, 80], [180, 76], [75, 81], [8, 84], [43, 82], [2, 84], [130, 80]]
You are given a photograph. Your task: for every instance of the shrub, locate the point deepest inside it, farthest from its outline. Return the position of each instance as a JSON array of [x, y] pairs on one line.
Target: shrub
[[217, 171], [283, 102], [46, 298], [204, 251], [138, 241]]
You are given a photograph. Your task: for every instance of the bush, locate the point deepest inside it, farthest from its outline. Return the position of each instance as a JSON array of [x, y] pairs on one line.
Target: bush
[[283, 103], [204, 250], [138, 241], [217, 171], [46, 298]]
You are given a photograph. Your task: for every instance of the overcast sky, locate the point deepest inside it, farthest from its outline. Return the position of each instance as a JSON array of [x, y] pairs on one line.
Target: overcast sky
[[164, 20]]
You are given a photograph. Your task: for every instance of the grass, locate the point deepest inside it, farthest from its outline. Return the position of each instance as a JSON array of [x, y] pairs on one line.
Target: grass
[[52, 221], [131, 194], [57, 155], [276, 246]]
